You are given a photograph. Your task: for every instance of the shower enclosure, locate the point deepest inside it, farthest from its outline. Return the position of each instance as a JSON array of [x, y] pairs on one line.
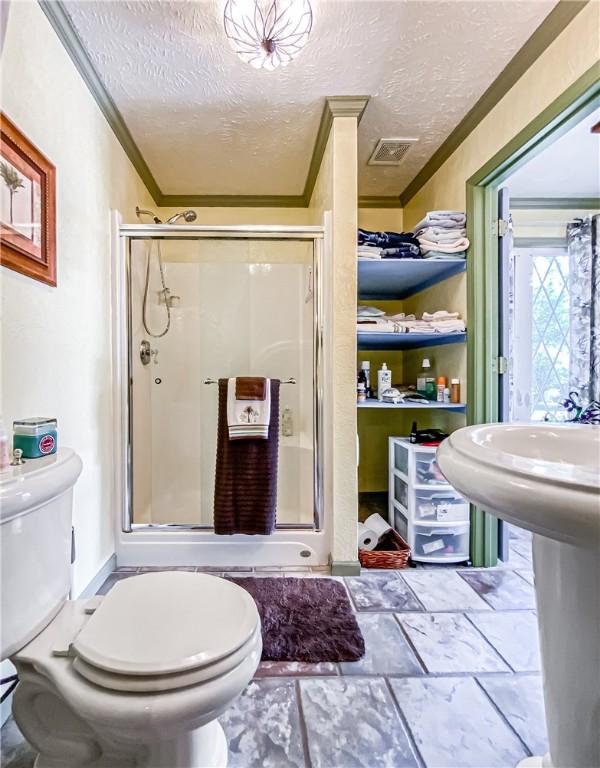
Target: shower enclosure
[[239, 301]]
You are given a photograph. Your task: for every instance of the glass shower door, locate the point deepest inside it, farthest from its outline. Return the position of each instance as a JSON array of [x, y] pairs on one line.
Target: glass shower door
[[237, 307]]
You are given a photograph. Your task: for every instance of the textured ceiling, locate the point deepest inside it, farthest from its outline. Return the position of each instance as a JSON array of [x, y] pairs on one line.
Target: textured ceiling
[[206, 123], [567, 168]]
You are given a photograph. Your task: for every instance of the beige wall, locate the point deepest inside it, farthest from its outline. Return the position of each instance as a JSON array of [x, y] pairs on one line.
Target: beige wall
[[573, 52], [240, 216], [336, 191], [56, 342]]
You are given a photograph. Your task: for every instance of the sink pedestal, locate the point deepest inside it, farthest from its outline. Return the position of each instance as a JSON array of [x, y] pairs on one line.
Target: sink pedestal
[[545, 478], [567, 588]]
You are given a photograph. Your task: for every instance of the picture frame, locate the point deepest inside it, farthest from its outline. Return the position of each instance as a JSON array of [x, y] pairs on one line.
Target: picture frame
[[27, 206]]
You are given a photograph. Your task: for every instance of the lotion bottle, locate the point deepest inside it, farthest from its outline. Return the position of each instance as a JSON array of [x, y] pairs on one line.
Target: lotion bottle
[[384, 381]]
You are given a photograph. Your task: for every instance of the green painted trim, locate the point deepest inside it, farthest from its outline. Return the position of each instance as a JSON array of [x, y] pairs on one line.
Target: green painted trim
[[555, 203], [482, 268], [539, 242], [345, 568], [557, 20], [335, 106], [381, 201], [579, 100], [62, 25], [232, 201]]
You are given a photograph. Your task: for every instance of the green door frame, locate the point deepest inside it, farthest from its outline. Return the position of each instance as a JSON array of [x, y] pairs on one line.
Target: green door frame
[[581, 98]]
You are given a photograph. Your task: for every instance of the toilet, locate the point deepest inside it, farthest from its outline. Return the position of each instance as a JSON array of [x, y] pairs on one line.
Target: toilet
[[134, 679]]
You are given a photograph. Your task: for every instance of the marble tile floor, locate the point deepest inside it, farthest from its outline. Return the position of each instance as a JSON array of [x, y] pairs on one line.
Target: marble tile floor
[[450, 679]]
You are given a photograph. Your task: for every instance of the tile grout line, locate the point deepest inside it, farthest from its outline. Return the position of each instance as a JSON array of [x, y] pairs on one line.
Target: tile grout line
[[412, 592], [404, 721], [490, 643], [303, 728], [502, 715], [411, 645]]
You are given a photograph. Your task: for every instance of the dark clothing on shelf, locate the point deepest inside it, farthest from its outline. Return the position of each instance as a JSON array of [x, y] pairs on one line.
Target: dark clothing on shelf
[[386, 239]]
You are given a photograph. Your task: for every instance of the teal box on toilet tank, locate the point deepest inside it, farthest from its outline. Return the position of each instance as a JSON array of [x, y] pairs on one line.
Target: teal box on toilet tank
[[35, 437]]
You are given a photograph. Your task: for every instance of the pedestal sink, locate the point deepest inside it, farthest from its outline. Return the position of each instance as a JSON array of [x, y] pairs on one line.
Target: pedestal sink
[[546, 478]]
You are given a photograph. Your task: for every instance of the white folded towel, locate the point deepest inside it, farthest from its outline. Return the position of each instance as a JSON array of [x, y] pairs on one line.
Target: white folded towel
[[441, 235], [459, 245], [365, 311], [248, 419], [446, 219], [441, 314]]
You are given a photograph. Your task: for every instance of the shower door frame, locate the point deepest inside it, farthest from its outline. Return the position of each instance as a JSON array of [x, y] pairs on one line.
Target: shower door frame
[[298, 534]]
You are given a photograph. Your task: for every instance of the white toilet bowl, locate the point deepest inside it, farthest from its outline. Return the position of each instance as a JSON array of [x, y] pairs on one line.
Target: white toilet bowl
[[135, 679]]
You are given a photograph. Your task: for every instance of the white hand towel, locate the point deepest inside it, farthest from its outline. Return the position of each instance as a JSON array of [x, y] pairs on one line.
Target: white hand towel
[[248, 419]]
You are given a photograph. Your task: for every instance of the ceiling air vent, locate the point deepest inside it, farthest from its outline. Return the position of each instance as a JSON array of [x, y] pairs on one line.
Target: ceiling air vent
[[390, 151]]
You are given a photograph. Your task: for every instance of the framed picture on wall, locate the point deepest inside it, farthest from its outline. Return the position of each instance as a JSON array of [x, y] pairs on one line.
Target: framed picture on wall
[[27, 206]]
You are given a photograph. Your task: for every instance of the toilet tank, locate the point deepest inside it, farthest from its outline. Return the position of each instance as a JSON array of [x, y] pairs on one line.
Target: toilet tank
[[35, 545]]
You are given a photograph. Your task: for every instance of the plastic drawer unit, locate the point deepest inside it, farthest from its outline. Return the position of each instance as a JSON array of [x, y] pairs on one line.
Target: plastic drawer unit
[[423, 507]]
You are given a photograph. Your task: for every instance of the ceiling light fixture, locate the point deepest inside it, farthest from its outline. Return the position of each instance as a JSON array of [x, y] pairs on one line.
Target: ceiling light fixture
[[267, 33]]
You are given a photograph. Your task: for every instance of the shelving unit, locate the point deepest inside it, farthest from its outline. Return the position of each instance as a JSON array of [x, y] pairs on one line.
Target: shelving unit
[[423, 507], [401, 341], [432, 406], [389, 279]]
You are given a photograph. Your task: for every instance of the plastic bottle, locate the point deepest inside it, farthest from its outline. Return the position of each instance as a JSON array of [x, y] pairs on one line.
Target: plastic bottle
[[365, 366], [4, 455], [455, 390], [422, 377], [441, 386], [384, 380], [446, 395], [430, 388]]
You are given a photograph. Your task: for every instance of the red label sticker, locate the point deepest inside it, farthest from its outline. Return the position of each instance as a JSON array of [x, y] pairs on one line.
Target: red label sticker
[[46, 444]]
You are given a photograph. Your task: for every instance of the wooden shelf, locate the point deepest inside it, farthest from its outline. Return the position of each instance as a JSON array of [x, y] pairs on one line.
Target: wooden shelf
[[393, 341], [389, 279], [432, 406]]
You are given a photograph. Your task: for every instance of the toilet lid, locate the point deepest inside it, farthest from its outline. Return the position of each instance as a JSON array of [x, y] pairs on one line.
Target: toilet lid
[[167, 622]]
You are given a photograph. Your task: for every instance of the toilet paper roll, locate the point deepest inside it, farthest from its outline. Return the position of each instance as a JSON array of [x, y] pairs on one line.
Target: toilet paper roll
[[366, 539], [378, 525]]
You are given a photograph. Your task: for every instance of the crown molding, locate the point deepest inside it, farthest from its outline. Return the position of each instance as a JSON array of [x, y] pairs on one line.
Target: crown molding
[[555, 203], [335, 106], [62, 25], [379, 201], [557, 20], [231, 201]]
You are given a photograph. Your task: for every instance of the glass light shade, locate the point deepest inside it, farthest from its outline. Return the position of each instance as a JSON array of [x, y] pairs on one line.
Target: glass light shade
[[267, 33]]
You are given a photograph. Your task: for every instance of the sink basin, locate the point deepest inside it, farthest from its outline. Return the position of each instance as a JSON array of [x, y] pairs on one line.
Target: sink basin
[[546, 478], [543, 477]]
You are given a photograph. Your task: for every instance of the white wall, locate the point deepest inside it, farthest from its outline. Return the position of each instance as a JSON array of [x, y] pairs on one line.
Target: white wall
[[56, 342]]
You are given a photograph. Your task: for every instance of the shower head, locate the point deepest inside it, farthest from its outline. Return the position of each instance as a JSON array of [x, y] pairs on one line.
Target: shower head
[[186, 215]]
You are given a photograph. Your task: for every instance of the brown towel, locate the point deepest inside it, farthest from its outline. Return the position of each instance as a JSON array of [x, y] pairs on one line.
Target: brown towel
[[246, 474], [250, 388]]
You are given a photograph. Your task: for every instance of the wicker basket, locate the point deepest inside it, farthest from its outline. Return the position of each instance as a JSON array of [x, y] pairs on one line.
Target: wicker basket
[[391, 552]]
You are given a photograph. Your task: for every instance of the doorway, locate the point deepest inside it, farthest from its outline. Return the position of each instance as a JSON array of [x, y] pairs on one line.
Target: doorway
[[531, 266]]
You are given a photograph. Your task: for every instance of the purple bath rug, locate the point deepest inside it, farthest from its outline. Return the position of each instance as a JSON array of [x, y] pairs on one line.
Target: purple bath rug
[[308, 620]]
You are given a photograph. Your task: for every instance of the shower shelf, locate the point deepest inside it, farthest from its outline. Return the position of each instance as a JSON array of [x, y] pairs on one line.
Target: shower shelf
[[460, 407], [390, 279], [407, 340]]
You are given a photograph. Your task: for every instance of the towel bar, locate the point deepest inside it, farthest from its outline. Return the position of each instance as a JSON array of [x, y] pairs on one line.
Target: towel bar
[[283, 381]]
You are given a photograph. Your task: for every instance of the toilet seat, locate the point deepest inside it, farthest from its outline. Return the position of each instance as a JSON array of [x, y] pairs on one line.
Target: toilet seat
[[166, 630]]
